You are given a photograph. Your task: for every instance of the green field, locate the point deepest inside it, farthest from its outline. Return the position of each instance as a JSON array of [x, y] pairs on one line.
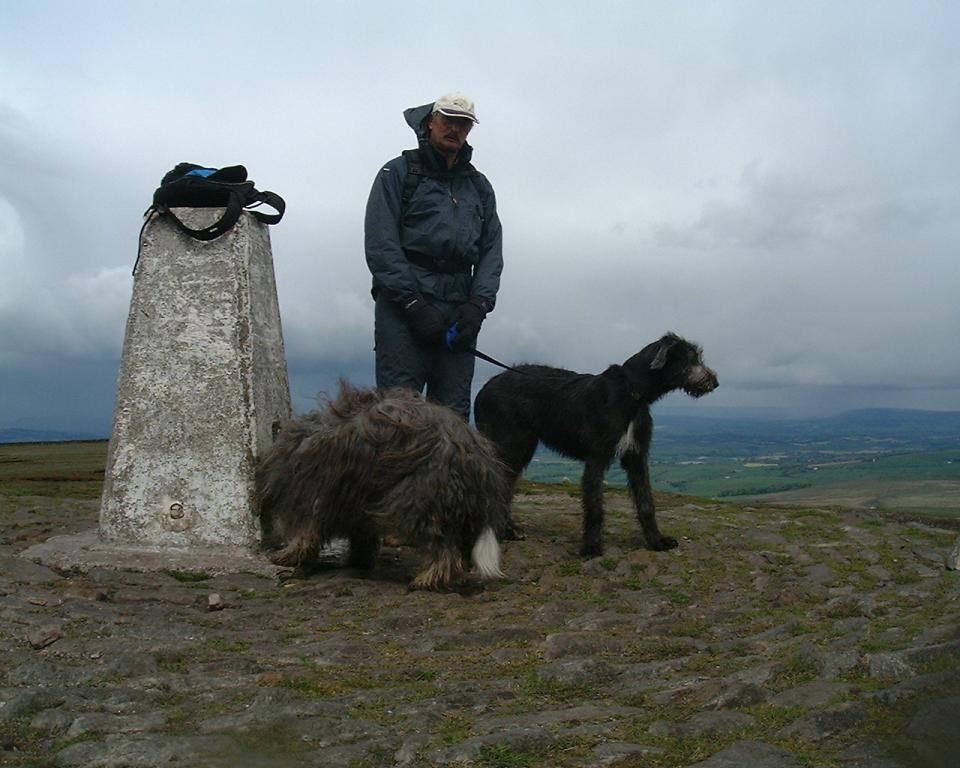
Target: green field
[[65, 470], [915, 482], [922, 482]]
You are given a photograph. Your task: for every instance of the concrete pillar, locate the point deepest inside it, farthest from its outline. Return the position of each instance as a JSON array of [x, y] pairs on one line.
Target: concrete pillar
[[202, 387]]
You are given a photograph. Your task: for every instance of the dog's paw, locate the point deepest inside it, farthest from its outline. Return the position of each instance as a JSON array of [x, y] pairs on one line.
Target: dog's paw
[[513, 532], [591, 549], [664, 543]]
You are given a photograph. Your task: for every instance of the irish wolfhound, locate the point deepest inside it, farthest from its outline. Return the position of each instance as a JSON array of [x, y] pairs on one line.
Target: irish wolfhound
[[592, 418]]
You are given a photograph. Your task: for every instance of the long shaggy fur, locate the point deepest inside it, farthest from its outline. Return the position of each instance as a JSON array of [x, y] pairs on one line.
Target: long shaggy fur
[[592, 418], [384, 462]]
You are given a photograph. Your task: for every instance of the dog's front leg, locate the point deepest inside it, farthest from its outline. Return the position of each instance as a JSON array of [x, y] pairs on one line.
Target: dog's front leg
[[592, 488], [364, 543], [638, 478]]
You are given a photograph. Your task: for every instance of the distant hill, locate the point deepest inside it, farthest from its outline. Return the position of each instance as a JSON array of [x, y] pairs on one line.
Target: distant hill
[[682, 436], [12, 435]]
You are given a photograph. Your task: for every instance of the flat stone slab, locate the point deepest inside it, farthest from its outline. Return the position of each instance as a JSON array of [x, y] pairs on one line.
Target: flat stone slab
[[86, 550]]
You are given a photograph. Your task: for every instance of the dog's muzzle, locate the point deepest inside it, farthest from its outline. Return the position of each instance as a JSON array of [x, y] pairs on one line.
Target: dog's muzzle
[[700, 381]]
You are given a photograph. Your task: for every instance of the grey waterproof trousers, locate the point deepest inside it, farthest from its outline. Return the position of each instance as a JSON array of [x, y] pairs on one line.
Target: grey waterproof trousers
[[402, 362]]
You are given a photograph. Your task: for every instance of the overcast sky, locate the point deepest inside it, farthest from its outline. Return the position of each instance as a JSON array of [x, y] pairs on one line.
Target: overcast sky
[[777, 181]]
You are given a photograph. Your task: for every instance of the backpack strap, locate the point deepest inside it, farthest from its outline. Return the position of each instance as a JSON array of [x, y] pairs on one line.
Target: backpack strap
[[231, 215], [270, 198], [200, 191], [412, 180], [416, 171], [485, 189]]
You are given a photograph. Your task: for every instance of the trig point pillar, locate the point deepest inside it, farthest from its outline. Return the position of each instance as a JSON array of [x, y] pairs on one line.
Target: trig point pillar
[[203, 386]]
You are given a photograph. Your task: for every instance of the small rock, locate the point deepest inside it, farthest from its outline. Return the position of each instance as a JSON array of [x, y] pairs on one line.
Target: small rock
[[820, 574], [215, 602], [739, 695], [44, 636], [953, 558], [888, 666]]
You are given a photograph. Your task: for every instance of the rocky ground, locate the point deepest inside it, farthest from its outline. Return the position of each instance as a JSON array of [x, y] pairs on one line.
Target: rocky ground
[[773, 637]]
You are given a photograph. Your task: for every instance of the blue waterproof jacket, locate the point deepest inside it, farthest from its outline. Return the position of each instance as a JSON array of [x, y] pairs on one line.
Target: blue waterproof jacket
[[446, 243]]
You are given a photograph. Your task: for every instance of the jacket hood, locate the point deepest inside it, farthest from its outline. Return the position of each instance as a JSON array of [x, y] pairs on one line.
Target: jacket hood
[[416, 117]]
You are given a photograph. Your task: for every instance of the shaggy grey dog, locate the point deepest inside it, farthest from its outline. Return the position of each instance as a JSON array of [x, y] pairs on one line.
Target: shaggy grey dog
[[375, 463], [593, 418]]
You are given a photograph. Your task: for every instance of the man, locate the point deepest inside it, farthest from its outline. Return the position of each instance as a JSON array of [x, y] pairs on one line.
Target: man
[[434, 247]]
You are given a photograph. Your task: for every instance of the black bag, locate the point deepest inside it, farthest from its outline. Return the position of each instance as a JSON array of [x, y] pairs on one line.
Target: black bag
[[194, 186]]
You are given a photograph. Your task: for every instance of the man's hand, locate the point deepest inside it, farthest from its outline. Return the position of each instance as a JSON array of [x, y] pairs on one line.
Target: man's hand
[[425, 321], [469, 317]]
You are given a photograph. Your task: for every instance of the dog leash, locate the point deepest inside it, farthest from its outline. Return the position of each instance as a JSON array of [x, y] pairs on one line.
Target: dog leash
[[451, 334], [482, 356]]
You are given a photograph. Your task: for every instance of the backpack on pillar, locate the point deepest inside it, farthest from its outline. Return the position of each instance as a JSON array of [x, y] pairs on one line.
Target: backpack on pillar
[[194, 186]]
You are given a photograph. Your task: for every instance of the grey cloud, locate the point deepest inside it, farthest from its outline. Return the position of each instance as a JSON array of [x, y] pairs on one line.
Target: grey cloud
[[774, 183]]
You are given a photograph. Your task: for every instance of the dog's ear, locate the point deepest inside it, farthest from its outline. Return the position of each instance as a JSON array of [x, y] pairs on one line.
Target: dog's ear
[[665, 344]]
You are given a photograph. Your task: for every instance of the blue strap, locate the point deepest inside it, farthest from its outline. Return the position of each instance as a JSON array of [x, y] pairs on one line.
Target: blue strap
[[450, 336]]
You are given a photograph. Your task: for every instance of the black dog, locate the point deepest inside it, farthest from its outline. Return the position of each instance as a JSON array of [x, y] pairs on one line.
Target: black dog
[[592, 418]]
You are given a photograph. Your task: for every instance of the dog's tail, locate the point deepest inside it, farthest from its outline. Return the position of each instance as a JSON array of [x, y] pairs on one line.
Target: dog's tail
[[486, 555]]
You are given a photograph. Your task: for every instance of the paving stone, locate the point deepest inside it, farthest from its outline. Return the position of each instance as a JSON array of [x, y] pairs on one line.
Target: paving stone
[[753, 754], [577, 672], [918, 686], [867, 754], [935, 738], [821, 725], [817, 693], [704, 724], [888, 666], [612, 752], [17, 703], [21, 571], [149, 751], [101, 722], [514, 739], [563, 644], [739, 695], [53, 720]]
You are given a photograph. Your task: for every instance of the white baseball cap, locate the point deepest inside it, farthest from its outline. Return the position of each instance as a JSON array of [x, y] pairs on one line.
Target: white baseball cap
[[456, 105]]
